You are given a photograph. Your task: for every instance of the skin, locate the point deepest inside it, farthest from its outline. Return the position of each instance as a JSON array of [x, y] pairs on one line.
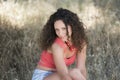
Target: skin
[[62, 72], [60, 30]]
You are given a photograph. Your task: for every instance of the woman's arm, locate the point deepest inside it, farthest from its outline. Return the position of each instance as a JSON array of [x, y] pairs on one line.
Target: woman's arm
[[58, 56], [81, 60]]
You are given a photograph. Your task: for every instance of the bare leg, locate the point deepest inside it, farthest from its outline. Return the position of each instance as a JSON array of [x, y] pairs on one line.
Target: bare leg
[[75, 74]]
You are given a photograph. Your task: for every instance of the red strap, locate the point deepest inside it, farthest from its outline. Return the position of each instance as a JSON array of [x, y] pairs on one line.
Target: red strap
[[61, 43]]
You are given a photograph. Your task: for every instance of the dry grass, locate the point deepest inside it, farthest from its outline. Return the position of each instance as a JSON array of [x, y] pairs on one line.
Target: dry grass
[[20, 25]]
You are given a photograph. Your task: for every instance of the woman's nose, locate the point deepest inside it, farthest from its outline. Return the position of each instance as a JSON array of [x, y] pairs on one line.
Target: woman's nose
[[60, 32]]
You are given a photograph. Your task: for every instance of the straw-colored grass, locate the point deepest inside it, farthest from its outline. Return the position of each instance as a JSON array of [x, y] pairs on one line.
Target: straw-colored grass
[[20, 24]]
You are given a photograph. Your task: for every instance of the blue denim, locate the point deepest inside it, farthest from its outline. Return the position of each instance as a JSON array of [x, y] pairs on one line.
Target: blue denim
[[40, 74]]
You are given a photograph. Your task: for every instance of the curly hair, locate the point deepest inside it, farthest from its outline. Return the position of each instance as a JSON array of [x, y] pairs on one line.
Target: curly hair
[[48, 35]]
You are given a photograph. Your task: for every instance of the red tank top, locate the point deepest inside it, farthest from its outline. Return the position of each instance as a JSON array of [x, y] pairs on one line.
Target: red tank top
[[46, 58]]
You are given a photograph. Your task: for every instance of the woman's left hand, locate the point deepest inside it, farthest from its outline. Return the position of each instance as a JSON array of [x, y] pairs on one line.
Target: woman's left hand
[[76, 74]]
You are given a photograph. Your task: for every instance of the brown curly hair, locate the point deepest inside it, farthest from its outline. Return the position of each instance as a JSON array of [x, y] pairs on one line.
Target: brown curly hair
[[48, 35]]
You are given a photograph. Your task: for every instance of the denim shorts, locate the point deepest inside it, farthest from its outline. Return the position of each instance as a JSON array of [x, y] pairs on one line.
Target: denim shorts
[[40, 74]]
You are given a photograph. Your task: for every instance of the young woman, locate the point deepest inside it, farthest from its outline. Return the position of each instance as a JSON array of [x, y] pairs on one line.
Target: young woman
[[63, 42]]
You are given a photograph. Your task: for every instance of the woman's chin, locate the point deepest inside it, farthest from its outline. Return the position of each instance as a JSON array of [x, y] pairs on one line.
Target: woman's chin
[[64, 39]]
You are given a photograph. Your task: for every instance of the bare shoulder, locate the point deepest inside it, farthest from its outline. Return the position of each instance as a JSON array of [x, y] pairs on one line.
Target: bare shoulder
[[84, 46], [83, 50], [56, 48]]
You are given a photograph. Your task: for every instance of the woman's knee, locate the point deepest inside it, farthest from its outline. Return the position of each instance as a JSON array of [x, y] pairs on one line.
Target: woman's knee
[[53, 76]]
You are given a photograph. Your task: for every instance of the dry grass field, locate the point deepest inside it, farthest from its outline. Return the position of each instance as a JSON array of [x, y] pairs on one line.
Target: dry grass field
[[20, 24]]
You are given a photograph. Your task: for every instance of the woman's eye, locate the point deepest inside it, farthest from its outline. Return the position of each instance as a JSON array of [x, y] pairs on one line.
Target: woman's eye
[[64, 28], [56, 29]]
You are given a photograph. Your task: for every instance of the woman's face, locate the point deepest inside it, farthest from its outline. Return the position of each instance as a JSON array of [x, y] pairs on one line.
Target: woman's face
[[61, 31]]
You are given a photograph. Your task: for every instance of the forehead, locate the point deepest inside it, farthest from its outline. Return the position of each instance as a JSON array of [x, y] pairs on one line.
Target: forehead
[[59, 23]]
